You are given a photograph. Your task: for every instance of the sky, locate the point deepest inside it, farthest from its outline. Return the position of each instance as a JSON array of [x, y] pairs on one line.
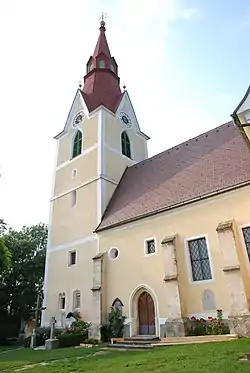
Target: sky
[[185, 64]]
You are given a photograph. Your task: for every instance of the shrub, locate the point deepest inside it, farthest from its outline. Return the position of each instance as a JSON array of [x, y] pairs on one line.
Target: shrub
[[9, 327], [79, 326], [212, 326], [44, 333], [92, 341], [71, 339], [114, 326], [197, 326]]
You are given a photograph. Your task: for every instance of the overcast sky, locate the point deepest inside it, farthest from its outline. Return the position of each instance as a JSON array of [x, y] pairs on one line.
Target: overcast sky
[[185, 64]]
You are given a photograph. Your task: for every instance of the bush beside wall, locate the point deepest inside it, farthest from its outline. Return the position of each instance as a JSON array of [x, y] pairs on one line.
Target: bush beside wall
[[71, 339]]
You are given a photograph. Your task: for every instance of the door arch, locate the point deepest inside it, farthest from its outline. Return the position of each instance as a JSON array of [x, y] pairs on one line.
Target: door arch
[[146, 314]]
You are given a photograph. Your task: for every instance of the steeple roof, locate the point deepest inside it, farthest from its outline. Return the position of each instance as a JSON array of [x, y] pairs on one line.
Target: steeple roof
[[102, 44], [101, 83]]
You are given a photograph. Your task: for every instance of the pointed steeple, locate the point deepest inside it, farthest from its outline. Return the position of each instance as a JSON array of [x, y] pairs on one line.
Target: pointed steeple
[[101, 83], [102, 44]]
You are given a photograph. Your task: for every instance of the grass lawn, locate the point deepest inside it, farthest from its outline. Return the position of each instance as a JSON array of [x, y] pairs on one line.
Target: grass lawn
[[7, 348], [203, 358]]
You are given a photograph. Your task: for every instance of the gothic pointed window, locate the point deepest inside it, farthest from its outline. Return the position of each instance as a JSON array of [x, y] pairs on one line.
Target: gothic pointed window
[[102, 64], [77, 144], [117, 305], [126, 147]]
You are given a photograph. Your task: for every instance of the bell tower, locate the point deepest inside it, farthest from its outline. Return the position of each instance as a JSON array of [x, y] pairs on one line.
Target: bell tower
[[100, 139]]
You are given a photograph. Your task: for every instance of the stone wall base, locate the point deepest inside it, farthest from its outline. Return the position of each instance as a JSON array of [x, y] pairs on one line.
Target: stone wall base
[[94, 331], [126, 331], [174, 328], [240, 325]]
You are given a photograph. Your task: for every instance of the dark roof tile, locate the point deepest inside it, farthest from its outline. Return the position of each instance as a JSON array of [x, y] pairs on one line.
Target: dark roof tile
[[209, 163]]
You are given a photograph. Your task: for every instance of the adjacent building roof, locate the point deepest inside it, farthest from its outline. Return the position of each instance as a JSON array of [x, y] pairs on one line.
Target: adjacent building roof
[[213, 162], [241, 102]]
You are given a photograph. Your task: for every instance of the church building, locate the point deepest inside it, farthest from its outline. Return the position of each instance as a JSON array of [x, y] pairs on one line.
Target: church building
[[161, 238]]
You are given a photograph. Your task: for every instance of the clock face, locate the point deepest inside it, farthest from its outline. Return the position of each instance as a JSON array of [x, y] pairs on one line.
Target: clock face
[[78, 118], [125, 119]]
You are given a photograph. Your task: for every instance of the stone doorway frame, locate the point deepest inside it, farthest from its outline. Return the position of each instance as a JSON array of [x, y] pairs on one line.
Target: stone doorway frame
[[133, 310]]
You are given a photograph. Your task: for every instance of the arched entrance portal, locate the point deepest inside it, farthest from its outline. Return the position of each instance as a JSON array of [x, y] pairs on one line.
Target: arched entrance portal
[[146, 314]]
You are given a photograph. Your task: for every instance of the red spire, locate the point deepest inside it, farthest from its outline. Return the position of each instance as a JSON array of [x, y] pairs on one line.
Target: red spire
[[102, 44], [101, 83]]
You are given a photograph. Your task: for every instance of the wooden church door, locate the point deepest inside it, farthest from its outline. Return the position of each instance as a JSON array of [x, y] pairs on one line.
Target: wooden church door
[[146, 314]]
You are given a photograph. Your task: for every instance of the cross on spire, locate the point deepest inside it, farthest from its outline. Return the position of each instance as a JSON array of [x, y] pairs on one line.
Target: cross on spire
[[102, 18]]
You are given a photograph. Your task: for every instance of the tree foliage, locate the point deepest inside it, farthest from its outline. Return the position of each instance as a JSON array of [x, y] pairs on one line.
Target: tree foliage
[[22, 281], [3, 226], [5, 256]]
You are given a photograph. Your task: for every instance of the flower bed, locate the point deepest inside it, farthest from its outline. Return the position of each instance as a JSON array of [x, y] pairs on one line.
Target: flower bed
[[212, 326]]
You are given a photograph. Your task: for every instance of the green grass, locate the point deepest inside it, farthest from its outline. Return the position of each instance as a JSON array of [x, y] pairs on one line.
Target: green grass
[[196, 358], [7, 348]]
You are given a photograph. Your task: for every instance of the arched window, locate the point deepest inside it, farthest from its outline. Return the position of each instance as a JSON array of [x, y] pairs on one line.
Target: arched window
[[117, 305], [76, 299], [102, 64], [126, 148], [77, 144], [62, 301], [112, 67]]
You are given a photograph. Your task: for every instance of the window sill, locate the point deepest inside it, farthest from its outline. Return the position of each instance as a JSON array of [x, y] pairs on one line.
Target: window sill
[[170, 278], [200, 282], [149, 255]]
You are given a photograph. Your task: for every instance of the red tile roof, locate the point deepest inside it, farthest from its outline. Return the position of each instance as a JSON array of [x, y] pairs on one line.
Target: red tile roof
[[101, 88], [208, 164], [102, 44]]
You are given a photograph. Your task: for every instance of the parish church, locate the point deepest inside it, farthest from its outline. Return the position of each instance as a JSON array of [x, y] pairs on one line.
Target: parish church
[[162, 238]]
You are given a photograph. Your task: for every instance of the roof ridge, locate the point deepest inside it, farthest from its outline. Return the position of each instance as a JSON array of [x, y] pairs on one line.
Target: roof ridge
[[181, 144]]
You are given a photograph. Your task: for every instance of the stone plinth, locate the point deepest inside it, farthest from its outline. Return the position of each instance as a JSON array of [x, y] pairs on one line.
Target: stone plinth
[[240, 325], [175, 328], [51, 344], [239, 316]]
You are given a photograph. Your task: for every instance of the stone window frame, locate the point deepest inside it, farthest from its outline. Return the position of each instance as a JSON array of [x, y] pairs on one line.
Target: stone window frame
[[146, 240], [188, 260], [247, 225]]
